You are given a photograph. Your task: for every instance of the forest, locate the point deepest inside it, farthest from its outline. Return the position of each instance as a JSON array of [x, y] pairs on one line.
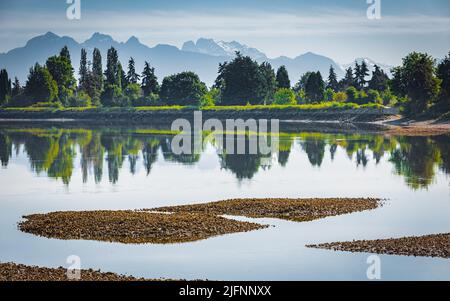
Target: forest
[[421, 85]]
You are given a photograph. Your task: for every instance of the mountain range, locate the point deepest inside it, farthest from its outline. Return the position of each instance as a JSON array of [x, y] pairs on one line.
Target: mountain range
[[202, 56]]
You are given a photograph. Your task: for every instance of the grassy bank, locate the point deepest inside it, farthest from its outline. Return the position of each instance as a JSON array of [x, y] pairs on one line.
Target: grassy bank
[[329, 111]]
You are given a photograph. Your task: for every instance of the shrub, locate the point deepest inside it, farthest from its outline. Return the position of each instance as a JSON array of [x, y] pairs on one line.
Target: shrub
[[373, 96], [80, 100], [133, 92], [112, 97], [284, 96], [47, 104], [329, 94], [301, 97], [388, 98], [339, 97], [150, 100], [352, 94], [184, 88]]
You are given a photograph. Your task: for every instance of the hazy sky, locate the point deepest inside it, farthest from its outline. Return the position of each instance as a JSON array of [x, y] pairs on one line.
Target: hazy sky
[[338, 29]]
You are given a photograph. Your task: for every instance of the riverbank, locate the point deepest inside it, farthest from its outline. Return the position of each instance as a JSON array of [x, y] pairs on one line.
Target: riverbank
[[19, 272], [428, 246], [331, 112]]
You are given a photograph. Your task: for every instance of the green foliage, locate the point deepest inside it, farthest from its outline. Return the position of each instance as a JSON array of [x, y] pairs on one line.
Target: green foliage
[[184, 88], [83, 71], [268, 82], [51, 105], [211, 98], [300, 97], [314, 87], [348, 80], [301, 84], [416, 80], [388, 98], [5, 87], [149, 81], [329, 94], [82, 99], [145, 101], [112, 96], [284, 96], [379, 80], [333, 83], [340, 96], [112, 68], [443, 72], [361, 72], [242, 80], [132, 76], [97, 75], [352, 94], [133, 92], [40, 86], [373, 96], [282, 78], [16, 88], [60, 67]]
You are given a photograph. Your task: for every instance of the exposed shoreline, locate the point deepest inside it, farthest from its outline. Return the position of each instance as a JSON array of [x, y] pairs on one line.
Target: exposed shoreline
[[296, 210], [187, 223], [132, 227], [437, 245], [20, 272], [354, 120]]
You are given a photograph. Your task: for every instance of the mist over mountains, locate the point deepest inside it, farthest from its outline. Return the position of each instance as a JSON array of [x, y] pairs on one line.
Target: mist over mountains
[[202, 57]]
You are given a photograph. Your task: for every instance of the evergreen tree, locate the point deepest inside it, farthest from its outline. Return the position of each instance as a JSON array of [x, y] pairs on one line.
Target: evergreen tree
[[122, 81], [416, 80], [184, 88], [361, 72], [379, 80], [5, 86], [112, 66], [315, 87], [283, 78], [268, 82], [443, 72], [16, 89], [348, 80], [149, 81], [357, 74], [83, 72], [60, 67], [302, 82], [332, 80], [240, 81], [97, 73], [40, 85], [65, 53], [132, 76]]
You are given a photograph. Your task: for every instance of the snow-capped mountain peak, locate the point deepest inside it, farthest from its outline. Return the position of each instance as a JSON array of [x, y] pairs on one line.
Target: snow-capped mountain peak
[[222, 48]]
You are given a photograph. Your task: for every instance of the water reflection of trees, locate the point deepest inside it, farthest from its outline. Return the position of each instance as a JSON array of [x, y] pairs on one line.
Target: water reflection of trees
[[54, 151]]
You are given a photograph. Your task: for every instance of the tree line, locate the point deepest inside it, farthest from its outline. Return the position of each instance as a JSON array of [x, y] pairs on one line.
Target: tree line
[[418, 85]]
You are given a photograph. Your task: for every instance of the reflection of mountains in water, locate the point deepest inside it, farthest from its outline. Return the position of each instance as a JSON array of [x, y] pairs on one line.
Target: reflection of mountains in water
[[54, 150]]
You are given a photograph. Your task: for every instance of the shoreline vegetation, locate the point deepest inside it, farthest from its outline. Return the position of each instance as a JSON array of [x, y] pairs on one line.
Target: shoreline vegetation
[[419, 87], [437, 245], [187, 223], [327, 112]]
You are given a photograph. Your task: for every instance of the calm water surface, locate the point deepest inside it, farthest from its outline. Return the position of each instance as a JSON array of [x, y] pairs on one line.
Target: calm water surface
[[71, 168]]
